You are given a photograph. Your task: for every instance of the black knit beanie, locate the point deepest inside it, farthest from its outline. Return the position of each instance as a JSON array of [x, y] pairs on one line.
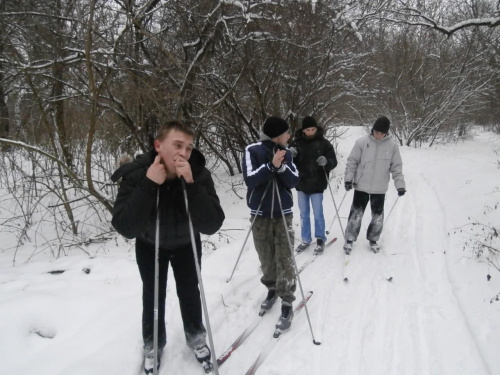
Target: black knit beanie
[[274, 127], [309, 122], [382, 125]]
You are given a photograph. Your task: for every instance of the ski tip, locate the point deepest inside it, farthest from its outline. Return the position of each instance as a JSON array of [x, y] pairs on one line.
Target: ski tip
[[277, 333], [333, 240]]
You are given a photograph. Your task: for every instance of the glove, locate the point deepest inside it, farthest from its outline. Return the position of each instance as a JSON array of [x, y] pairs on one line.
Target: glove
[[293, 150], [401, 192], [348, 185], [321, 161]]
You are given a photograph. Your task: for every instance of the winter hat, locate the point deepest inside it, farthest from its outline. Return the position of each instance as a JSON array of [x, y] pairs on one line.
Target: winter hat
[[274, 127], [382, 125], [309, 122]]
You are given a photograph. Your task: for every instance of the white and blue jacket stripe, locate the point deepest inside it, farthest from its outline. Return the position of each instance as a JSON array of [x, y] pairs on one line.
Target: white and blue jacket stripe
[[258, 172]]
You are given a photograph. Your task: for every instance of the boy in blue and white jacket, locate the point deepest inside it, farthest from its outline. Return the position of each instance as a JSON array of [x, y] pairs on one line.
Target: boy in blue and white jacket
[[270, 174]]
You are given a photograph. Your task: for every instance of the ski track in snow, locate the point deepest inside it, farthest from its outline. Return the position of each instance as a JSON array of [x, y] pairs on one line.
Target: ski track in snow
[[426, 284], [359, 334], [444, 285]]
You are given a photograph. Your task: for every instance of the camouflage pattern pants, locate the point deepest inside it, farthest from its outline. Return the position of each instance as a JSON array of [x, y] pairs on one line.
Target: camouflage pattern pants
[[271, 242]]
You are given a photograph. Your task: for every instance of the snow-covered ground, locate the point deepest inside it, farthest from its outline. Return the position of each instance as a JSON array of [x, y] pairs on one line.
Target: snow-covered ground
[[436, 316]]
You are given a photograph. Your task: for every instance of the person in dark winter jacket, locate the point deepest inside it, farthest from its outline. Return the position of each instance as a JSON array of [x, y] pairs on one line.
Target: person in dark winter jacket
[[270, 174], [157, 175], [373, 158], [314, 157]]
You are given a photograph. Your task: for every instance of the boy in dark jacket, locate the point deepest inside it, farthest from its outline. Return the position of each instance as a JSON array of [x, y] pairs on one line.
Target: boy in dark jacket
[[270, 175], [134, 216], [315, 158]]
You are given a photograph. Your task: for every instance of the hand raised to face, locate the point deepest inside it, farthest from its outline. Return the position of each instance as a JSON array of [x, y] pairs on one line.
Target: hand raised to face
[[156, 171], [278, 158], [183, 169]]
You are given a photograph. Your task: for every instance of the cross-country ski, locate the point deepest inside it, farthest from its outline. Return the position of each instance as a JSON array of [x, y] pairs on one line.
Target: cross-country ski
[[242, 337], [272, 342], [312, 258]]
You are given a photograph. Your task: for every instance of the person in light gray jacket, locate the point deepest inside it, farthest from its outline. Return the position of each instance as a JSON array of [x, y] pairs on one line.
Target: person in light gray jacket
[[372, 160]]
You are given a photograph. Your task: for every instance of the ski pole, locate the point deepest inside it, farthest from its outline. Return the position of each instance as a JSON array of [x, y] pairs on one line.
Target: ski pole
[[248, 233], [295, 263], [200, 281], [390, 212], [336, 214], [335, 204], [157, 277]]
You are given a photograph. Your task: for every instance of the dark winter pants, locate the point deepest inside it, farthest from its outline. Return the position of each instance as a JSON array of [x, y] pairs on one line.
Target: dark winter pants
[[186, 280], [271, 242], [358, 207]]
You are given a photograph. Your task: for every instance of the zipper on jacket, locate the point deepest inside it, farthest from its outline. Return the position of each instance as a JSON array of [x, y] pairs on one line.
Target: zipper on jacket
[[375, 161], [272, 199]]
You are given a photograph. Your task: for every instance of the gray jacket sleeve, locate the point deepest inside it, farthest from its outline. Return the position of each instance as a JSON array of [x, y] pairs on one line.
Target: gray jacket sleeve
[[352, 162], [397, 169]]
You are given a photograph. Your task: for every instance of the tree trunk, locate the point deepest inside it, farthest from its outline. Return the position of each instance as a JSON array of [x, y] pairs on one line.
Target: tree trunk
[[4, 110]]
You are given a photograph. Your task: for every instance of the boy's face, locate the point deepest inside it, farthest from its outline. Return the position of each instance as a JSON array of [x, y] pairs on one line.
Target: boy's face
[[282, 139], [378, 135], [175, 145], [309, 132]]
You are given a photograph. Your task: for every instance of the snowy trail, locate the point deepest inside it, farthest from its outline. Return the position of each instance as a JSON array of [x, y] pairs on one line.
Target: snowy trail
[[436, 319], [445, 320], [412, 325], [436, 316]]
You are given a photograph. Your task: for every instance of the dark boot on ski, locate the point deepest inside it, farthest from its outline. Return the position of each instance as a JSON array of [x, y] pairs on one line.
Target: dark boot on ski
[[348, 247], [374, 246], [303, 246], [203, 356], [269, 302], [320, 246], [285, 320], [202, 353], [149, 359]]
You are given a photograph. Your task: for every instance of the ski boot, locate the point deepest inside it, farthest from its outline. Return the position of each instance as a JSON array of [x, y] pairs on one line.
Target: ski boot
[[374, 246], [348, 247], [269, 302], [303, 246], [203, 356], [149, 361], [320, 246], [285, 320]]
